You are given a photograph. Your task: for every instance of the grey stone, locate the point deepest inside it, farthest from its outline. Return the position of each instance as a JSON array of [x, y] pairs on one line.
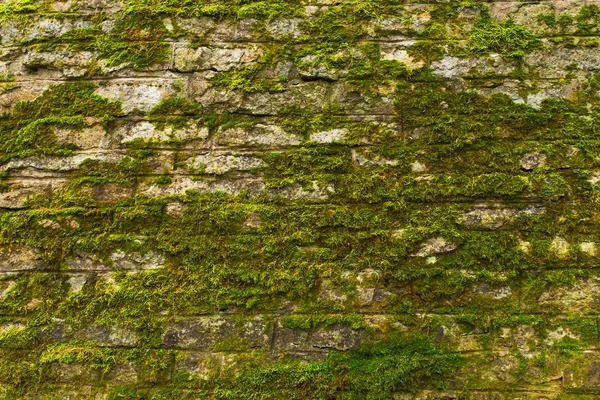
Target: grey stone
[[533, 160], [201, 364], [337, 337], [14, 32], [215, 58], [137, 261], [219, 164], [72, 373], [84, 262], [122, 374], [77, 281], [592, 378], [203, 333], [113, 336], [279, 27], [240, 31], [196, 26], [69, 64], [206, 184], [363, 160], [58, 331], [112, 192], [19, 258], [393, 53], [92, 137], [309, 70], [269, 136], [494, 216], [436, 245], [60, 164], [313, 93], [334, 135], [296, 192], [139, 96], [291, 340], [175, 209]]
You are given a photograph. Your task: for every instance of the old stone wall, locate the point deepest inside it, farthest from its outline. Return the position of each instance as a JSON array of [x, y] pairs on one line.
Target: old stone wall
[[309, 199]]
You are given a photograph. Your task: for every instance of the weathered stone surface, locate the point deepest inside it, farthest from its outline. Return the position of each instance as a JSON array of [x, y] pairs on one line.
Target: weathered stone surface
[[215, 59], [208, 184], [359, 225], [113, 336], [363, 160], [19, 190], [334, 135], [202, 365], [84, 262], [578, 298], [288, 27], [435, 246], [176, 209], [88, 138], [221, 164], [142, 130], [112, 192], [77, 281], [494, 216], [240, 31], [204, 333], [299, 95], [136, 261], [140, 96], [122, 374], [19, 258], [69, 64], [291, 340], [531, 161], [61, 164], [455, 67], [13, 32], [72, 373], [262, 136], [393, 53], [336, 337]]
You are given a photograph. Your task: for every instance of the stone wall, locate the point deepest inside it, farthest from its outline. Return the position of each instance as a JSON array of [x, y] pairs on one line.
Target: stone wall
[[364, 199]]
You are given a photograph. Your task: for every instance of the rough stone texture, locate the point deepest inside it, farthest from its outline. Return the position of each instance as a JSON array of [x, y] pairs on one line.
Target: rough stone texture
[[301, 206]]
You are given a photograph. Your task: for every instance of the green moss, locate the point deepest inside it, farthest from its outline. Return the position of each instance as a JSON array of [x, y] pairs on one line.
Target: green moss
[[304, 121], [15, 8], [377, 215], [506, 38], [371, 373], [80, 352], [305, 165], [232, 344], [372, 75], [585, 22], [178, 113], [28, 130], [136, 39], [261, 10]]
